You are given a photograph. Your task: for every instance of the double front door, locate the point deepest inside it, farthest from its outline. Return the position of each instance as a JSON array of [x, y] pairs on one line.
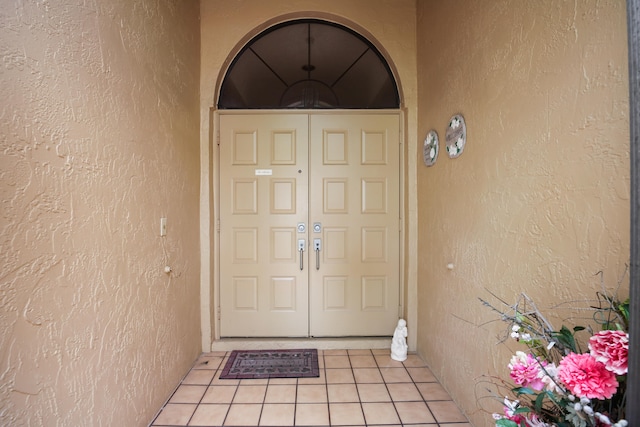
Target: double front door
[[309, 224]]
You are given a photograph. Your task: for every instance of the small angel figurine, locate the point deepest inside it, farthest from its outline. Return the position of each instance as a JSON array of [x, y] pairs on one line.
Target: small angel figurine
[[399, 342]]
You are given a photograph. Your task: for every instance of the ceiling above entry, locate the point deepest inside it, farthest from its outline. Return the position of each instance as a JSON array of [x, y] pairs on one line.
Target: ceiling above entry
[[309, 64]]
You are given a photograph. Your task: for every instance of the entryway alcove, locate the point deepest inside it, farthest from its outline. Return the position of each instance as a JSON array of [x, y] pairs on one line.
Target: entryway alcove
[[310, 187]]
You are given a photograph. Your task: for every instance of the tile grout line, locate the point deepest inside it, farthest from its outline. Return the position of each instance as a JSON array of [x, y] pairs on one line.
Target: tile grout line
[[220, 369], [421, 396], [295, 399], [326, 388], [264, 400], [358, 389], [215, 372], [386, 386]]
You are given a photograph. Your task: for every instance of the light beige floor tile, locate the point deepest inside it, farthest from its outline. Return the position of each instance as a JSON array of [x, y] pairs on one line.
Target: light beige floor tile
[[380, 413], [208, 362], [312, 414], [343, 393], [404, 392], [243, 415], [433, 391], [250, 394], [221, 381], [359, 352], [373, 393], [313, 380], [277, 414], [254, 381], [332, 362], [385, 361], [281, 381], [175, 415], [413, 360], [334, 352], [218, 381], [339, 376], [395, 375], [363, 361], [209, 415], [199, 377], [455, 425], [367, 375], [422, 375], [414, 412], [311, 393], [447, 412], [285, 393], [188, 394], [346, 414], [218, 353], [219, 394]]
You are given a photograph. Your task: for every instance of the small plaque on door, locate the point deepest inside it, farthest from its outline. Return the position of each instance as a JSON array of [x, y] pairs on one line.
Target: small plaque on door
[[264, 172]]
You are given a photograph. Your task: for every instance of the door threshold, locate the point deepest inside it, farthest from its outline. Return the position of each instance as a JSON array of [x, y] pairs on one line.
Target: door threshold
[[346, 343]]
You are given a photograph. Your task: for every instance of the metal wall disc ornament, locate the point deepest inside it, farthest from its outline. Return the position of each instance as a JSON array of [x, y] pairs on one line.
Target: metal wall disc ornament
[[456, 136], [430, 148]]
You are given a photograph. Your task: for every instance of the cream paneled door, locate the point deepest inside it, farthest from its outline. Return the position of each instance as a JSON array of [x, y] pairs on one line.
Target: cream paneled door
[[354, 195], [264, 181], [336, 175]]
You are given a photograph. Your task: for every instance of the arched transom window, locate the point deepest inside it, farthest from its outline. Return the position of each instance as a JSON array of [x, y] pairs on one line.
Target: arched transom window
[[309, 64]]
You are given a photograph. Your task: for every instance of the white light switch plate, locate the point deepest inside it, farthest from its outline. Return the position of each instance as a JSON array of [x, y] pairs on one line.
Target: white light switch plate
[[163, 227]]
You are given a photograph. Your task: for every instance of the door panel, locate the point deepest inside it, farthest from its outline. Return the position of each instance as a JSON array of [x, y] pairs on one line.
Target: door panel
[[340, 171], [263, 196], [354, 187]]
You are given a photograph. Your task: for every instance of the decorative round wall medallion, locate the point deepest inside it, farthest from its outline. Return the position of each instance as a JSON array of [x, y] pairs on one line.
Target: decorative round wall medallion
[[456, 136], [430, 148]]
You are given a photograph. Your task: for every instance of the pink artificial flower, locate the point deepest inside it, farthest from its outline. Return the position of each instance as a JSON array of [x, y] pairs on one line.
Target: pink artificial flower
[[611, 348], [549, 378], [510, 411], [526, 371], [584, 376], [516, 418]]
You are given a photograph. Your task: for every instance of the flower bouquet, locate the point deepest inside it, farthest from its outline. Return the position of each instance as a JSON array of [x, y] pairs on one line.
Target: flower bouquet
[[557, 381]]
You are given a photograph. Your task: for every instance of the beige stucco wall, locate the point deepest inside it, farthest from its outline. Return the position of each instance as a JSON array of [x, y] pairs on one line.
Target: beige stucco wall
[[99, 139], [226, 26], [539, 200]]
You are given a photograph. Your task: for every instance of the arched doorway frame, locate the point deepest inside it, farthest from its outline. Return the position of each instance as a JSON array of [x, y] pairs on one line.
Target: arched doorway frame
[[237, 49], [408, 257]]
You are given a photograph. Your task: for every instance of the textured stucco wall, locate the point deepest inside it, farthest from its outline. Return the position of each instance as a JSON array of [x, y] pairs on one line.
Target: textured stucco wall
[[539, 200], [99, 137], [227, 25]]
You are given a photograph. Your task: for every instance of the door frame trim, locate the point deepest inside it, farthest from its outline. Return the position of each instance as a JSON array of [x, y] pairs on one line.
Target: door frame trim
[[210, 286]]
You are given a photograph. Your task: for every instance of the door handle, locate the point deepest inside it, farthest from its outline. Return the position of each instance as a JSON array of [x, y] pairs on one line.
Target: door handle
[[301, 245], [317, 246]]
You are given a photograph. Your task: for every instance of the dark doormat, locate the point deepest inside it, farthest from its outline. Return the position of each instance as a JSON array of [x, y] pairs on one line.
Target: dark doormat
[[246, 364]]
